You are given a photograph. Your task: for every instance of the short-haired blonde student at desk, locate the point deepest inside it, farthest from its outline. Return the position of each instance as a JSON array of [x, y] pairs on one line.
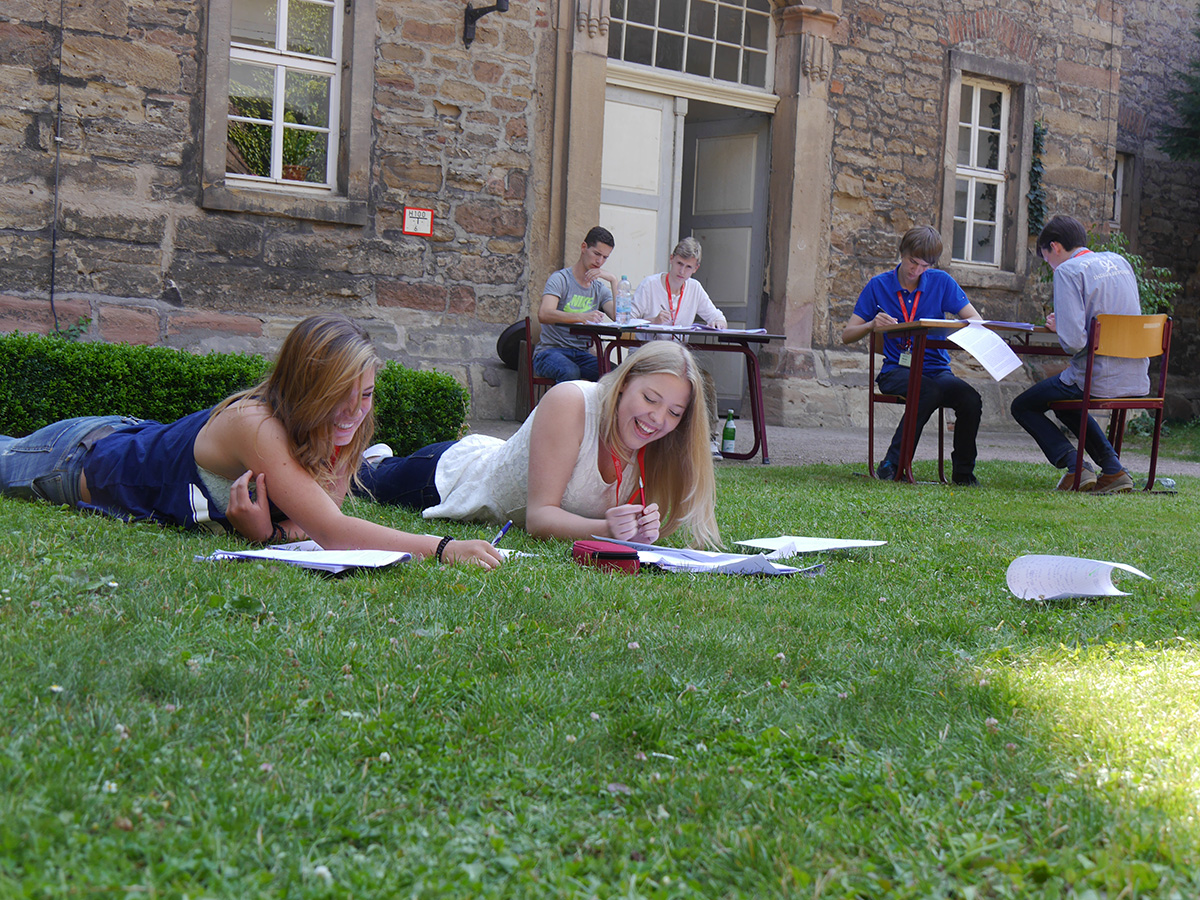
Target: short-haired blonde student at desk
[[673, 297], [301, 431], [915, 289], [626, 457]]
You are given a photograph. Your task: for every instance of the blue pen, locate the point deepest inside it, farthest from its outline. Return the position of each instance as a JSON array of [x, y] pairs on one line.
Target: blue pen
[[503, 532]]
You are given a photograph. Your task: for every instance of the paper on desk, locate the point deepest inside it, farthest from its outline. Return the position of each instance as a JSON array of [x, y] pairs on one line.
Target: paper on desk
[[989, 348], [790, 545], [710, 561], [1035, 577], [310, 555]]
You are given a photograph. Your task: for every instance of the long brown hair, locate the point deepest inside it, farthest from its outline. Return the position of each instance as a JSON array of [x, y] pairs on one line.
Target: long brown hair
[[679, 469], [318, 367]]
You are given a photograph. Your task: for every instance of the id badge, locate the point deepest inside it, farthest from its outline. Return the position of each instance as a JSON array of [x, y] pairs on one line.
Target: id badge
[[905, 359]]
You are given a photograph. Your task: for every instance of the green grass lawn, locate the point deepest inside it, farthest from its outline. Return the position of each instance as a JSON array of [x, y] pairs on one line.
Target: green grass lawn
[[1180, 440], [900, 726]]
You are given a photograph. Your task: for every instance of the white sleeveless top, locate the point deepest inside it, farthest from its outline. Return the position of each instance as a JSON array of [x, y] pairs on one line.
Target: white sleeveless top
[[486, 479]]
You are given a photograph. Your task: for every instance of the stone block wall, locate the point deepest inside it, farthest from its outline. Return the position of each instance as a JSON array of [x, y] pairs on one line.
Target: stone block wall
[[137, 255]]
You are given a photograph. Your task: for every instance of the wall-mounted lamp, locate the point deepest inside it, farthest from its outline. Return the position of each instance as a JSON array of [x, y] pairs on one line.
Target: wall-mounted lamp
[[472, 14]]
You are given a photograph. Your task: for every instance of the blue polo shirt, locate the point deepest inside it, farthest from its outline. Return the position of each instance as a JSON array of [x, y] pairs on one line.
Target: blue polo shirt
[[939, 294]]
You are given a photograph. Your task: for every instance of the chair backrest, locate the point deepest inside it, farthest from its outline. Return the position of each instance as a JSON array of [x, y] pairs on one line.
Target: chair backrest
[[1131, 337]]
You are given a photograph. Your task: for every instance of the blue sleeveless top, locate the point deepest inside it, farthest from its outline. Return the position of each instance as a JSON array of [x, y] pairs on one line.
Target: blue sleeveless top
[[148, 472]]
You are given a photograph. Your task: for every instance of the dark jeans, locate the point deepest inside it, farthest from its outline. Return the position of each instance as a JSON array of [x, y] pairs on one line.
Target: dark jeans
[[46, 465], [404, 480], [1029, 409], [942, 389], [566, 364]]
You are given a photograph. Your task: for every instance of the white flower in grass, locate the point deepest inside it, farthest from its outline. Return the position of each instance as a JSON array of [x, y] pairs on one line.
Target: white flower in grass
[[570, 738], [266, 767], [780, 656], [385, 757], [323, 873], [634, 645], [122, 732], [110, 787], [54, 688], [991, 724], [595, 717]]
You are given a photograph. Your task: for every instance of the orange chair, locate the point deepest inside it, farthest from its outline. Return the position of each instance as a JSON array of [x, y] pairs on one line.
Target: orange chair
[[1127, 337], [876, 349]]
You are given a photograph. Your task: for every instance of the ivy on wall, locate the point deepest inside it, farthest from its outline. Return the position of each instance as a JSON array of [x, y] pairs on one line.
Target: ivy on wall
[[1037, 194]]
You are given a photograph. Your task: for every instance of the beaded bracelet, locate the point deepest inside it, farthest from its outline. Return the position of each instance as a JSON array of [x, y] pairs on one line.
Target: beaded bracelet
[[278, 535], [442, 546]]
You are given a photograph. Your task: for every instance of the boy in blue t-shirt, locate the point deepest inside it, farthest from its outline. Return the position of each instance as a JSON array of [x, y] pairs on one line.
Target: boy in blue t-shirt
[[916, 290], [573, 296]]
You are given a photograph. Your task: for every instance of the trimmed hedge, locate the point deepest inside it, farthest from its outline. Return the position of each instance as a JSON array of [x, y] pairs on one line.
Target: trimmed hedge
[[45, 379]]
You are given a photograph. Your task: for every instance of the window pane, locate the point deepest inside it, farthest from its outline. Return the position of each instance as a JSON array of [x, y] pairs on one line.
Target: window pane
[[254, 22], [638, 45], [699, 58], [310, 28], [966, 101], [702, 21], [248, 149], [670, 51], [990, 106], [729, 24], [641, 11], [617, 9], [754, 69], [670, 15], [615, 31], [306, 99], [985, 202], [728, 63], [760, 5], [959, 248], [251, 90], [757, 29], [961, 187], [987, 155], [304, 155], [984, 249], [964, 145]]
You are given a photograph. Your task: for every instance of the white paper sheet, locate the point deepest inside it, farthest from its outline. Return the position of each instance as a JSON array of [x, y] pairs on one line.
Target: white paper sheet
[[989, 348], [790, 545], [710, 561], [310, 555], [1036, 577]]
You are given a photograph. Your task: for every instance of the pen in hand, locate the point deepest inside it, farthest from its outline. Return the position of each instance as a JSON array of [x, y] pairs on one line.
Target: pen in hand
[[503, 532]]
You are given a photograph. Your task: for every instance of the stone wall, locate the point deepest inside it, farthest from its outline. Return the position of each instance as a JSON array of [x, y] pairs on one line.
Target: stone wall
[[1167, 231], [138, 256]]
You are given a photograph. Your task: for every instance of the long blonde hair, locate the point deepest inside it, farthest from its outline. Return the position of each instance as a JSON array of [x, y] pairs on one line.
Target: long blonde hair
[[679, 469], [319, 365]]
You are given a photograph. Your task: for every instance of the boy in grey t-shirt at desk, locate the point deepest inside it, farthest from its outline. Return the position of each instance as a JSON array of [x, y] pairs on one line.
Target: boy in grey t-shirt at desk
[[573, 296]]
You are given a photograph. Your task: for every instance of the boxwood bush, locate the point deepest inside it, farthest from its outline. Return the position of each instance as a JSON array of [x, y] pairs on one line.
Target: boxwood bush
[[44, 379]]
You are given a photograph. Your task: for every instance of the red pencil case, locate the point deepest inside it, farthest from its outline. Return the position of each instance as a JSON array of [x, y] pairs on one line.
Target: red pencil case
[[604, 555]]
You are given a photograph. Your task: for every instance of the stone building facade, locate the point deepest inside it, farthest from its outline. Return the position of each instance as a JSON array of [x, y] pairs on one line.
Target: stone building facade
[[120, 205]]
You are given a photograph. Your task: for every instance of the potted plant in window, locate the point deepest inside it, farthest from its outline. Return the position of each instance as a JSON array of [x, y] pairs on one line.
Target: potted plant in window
[[296, 147]]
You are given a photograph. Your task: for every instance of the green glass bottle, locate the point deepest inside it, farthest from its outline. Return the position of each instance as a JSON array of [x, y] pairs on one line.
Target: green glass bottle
[[728, 434]]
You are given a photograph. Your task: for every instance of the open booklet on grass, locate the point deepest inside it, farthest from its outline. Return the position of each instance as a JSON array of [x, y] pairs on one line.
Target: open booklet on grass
[[792, 545], [311, 555], [711, 562]]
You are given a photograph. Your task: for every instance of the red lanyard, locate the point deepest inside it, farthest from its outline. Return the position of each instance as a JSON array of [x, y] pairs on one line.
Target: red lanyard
[[674, 310], [640, 493], [909, 315]]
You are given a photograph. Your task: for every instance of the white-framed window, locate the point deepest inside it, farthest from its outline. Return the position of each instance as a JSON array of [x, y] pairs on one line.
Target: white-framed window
[[1118, 210], [284, 91], [288, 87], [724, 40], [980, 173]]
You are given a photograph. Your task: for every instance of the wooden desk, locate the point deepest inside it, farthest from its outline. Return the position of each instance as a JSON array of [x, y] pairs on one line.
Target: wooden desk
[[1018, 335], [610, 337]]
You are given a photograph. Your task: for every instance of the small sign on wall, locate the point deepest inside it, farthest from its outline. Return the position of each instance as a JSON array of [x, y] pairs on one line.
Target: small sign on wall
[[418, 221]]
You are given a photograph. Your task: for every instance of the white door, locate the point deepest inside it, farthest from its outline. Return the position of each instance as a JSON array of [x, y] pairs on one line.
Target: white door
[[725, 172], [640, 179]]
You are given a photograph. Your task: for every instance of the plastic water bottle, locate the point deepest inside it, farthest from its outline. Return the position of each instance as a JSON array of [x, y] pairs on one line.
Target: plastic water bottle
[[624, 301], [728, 434]]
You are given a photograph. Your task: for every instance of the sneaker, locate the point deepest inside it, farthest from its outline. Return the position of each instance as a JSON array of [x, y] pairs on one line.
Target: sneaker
[[1087, 481], [886, 471], [716, 450], [376, 453], [965, 480], [1116, 483]]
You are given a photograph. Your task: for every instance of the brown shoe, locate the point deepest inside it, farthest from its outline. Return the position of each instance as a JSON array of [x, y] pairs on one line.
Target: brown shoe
[[1087, 481], [1117, 483]]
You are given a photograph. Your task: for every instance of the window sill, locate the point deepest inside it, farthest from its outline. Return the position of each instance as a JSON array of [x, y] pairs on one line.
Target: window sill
[[987, 278], [336, 210]]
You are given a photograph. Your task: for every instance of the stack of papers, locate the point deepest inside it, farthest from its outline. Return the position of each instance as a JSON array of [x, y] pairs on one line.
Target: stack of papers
[[711, 562], [790, 545], [310, 555]]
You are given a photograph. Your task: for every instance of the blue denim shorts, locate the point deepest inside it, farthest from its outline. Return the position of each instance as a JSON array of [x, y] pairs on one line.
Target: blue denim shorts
[[404, 480], [46, 465]]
